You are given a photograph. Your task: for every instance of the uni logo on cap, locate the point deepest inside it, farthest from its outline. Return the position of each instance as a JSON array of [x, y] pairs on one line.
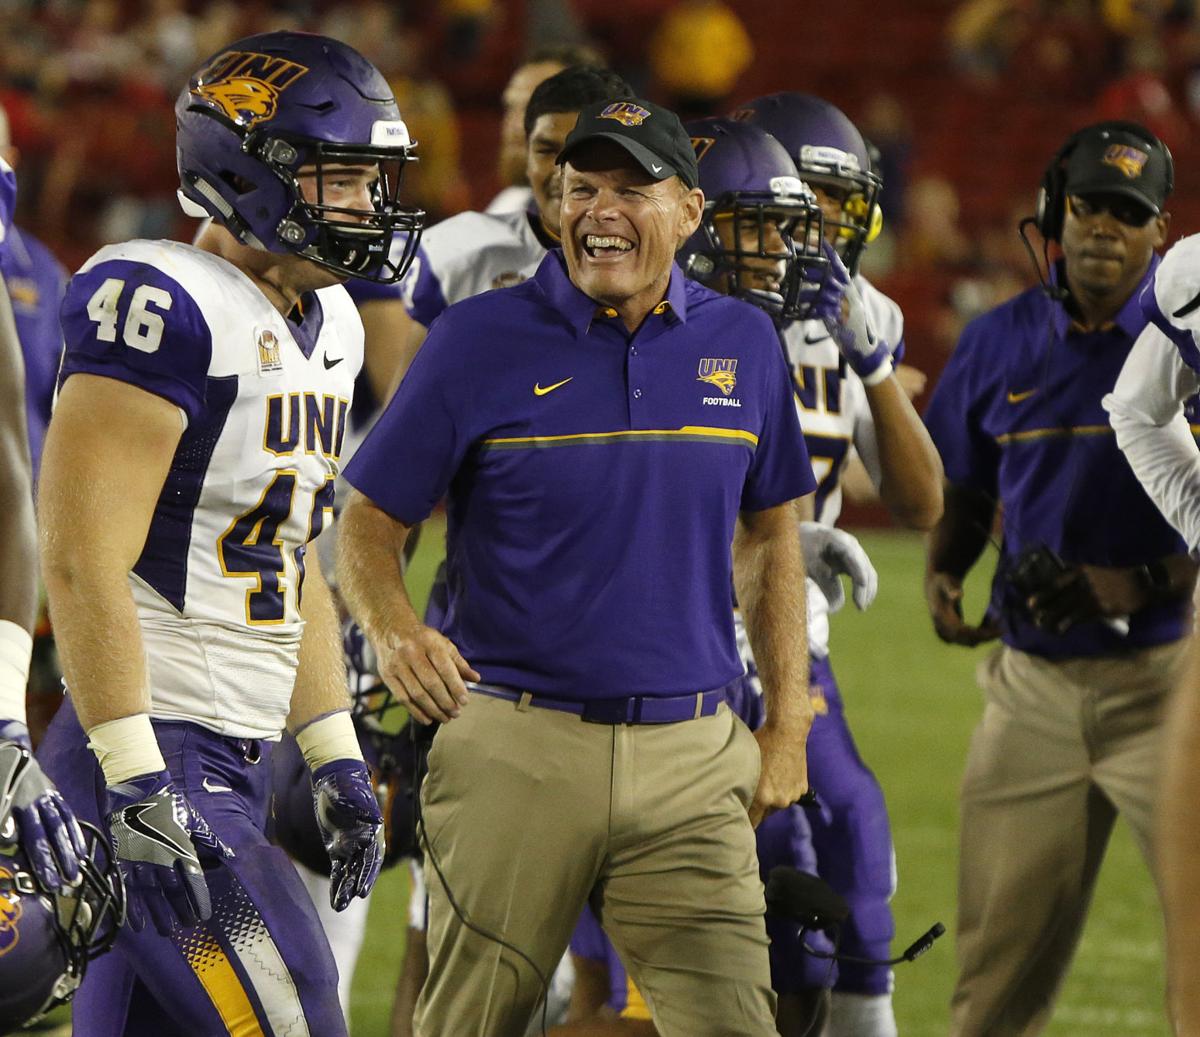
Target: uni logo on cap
[[1129, 160], [626, 113]]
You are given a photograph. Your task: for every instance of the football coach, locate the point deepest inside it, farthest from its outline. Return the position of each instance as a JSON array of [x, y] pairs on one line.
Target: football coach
[[616, 444]]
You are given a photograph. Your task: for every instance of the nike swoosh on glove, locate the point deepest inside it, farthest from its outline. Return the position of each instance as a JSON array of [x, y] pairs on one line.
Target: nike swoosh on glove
[[159, 839], [351, 828], [840, 306], [46, 827], [829, 552]]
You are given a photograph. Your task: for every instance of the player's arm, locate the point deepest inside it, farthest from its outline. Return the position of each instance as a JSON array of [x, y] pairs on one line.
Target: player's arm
[[1178, 848], [1146, 411], [347, 812], [909, 469], [107, 454], [423, 668], [952, 547], [768, 570]]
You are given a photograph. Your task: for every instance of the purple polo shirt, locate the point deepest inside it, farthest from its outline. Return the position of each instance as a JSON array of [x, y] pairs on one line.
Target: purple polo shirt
[[36, 282], [1017, 415], [593, 479]]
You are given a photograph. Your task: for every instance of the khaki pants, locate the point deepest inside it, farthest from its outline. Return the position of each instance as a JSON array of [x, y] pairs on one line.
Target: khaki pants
[[1061, 749], [530, 812]]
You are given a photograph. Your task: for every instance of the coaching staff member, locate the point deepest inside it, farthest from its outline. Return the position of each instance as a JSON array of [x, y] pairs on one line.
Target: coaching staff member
[[1090, 593], [604, 432]]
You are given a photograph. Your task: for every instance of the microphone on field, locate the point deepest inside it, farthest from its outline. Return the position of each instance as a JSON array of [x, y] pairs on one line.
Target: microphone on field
[[814, 904]]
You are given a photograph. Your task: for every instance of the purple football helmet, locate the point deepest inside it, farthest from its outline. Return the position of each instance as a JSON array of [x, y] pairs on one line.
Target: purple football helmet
[[47, 939], [265, 106], [749, 180], [830, 153]]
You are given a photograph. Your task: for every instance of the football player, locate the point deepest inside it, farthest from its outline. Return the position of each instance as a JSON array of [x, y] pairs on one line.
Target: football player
[[192, 454], [31, 811], [849, 398]]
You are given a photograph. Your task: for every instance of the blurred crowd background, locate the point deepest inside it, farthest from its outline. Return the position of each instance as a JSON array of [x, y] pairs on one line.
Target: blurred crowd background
[[966, 100]]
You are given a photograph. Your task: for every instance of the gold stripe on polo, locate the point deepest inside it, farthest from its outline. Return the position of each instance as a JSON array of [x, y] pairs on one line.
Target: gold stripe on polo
[[1053, 433], [687, 434]]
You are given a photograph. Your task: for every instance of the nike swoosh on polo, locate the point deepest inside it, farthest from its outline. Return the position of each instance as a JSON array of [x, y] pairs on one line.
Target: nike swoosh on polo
[[657, 169], [539, 390], [331, 363], [1019, 397], [210, 787]]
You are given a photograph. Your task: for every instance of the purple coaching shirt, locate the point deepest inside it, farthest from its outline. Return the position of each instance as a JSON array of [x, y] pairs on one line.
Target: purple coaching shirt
[[1017, 415], [593, 478], [36, 282]]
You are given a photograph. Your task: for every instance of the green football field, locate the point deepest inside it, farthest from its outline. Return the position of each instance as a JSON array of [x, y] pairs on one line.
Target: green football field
[[912, 703]]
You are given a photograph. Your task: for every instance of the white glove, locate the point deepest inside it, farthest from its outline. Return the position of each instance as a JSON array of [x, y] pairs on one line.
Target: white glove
[[840, 306], [830, 552]]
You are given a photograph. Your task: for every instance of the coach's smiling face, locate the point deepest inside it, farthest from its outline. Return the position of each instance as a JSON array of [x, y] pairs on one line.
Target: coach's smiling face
[[621, 228]]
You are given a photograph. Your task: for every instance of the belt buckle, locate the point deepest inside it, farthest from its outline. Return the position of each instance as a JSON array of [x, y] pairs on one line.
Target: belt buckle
[[607, 711]]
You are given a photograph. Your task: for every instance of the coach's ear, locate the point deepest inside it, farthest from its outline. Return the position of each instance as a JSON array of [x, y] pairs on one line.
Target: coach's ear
[[691, 207]]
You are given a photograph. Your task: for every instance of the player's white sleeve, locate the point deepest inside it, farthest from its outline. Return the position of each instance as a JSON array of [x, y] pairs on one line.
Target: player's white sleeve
[[1146, 412]]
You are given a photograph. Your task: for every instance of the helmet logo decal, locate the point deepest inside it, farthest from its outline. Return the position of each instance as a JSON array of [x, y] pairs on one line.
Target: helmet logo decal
[[1129, 160], [626, 113], [245, 86], [719, 372], [701, 146], [10, 914]]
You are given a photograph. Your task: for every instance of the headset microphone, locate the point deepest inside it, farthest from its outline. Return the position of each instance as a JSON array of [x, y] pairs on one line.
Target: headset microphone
[[811, 902], [1057, 292]]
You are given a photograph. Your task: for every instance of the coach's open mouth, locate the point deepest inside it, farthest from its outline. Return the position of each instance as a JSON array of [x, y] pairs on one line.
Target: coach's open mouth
[[602, 246]]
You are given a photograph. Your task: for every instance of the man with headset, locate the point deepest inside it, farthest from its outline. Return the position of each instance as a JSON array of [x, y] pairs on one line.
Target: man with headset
[[1090, 591]]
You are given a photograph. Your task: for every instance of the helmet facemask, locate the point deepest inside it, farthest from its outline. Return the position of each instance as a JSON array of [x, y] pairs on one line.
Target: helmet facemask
[[349, 241], [839, 174], [745, 233]]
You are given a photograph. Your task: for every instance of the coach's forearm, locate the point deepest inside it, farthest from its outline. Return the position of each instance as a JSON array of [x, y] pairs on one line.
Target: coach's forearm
[[370, 569], [768, 569]]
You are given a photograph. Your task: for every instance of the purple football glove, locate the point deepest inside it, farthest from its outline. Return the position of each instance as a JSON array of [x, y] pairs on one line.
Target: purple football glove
[[351, 828], [46, 827], [840, 306], [160, 839]]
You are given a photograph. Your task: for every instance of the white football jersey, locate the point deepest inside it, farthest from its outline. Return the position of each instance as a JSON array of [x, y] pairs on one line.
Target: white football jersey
[[831, 401], [265, 401], [468, 254]]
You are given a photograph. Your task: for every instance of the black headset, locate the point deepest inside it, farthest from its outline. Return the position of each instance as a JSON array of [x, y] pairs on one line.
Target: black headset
[[1051, 196]]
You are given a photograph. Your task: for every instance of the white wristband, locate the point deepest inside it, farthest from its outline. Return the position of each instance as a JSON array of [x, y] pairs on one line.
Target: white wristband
[[880, 374], [125, 748], [16, 646], [329, 738]]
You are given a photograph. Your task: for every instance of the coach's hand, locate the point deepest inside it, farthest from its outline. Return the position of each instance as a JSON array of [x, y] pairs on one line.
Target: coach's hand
[[425, 671], [943, 595], [784, 775]]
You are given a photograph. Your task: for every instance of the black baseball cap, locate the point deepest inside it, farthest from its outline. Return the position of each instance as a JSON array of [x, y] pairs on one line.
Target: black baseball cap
[[1110, 159], [654, 136]]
